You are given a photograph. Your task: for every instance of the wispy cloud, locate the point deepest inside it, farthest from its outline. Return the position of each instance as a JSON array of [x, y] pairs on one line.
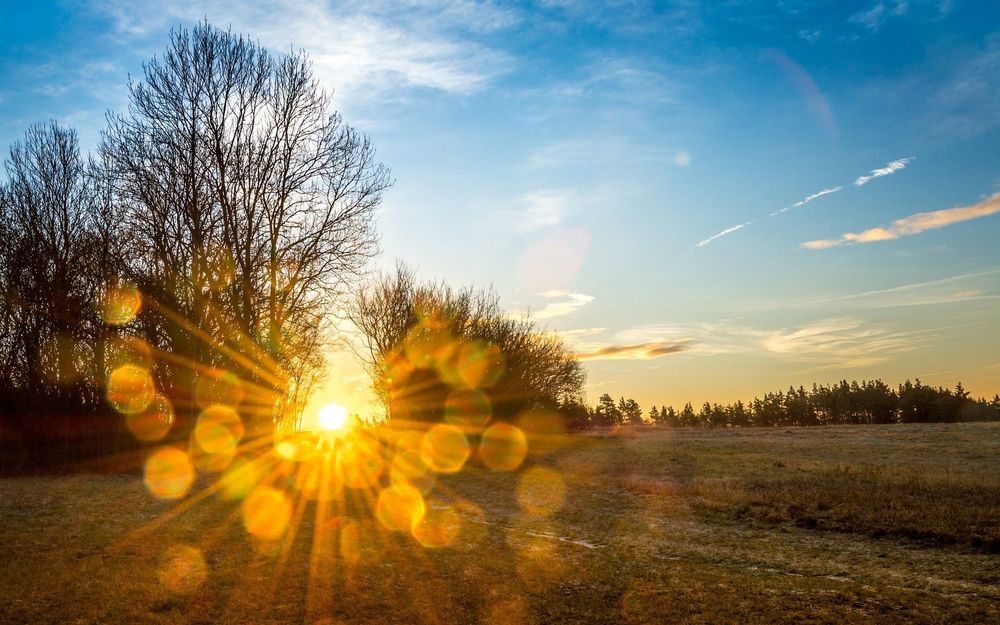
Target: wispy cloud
[[831, 342], [567, 303], [538, 209], [577, 336], [838, 342], [541, 209], [366, 51], [637, 351], [876, 14], [807, 199], [914, 224], [916, 293], [968, 102], [725, 232], [890, 168]]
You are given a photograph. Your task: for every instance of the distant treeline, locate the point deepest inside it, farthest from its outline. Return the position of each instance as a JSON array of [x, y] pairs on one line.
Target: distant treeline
[[865, 402]]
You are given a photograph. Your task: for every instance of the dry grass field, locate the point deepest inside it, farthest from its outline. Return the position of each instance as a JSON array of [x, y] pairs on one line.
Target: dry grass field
[[881, 524]]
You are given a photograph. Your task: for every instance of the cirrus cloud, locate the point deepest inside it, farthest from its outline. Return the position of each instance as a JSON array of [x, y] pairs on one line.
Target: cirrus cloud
[[888, 170], [913, 224], [636, 351], [566, 303]]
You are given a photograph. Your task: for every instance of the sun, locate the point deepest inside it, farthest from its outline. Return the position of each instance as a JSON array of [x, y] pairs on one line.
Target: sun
[[333, 417]]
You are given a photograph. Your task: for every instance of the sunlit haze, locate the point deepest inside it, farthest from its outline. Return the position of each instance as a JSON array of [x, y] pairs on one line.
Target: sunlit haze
[[332, 417]]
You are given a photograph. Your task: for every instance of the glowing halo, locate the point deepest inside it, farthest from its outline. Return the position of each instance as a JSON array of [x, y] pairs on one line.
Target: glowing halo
[[333, 417]]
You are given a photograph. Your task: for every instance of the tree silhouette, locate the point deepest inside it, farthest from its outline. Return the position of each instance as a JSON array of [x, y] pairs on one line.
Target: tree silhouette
[[228, 212], [423, 342], [247, 205], [867, 402]]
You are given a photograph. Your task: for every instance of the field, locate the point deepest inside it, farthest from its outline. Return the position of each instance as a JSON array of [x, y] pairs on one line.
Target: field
[[880, 524]]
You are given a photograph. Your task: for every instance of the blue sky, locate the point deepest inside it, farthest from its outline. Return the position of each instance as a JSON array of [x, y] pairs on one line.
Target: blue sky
[[575, 155]]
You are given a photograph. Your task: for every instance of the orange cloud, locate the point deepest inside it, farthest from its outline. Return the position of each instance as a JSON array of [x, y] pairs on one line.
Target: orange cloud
[[914, 224], [637, 351]]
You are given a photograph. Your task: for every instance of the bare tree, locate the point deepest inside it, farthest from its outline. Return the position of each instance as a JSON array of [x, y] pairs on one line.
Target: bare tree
[[53, 263], [47, 215], [250, 207], [421, 342]]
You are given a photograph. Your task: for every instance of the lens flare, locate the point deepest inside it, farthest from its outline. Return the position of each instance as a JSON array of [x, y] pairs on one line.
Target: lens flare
[[350, 541], [287, 449], [218, 386], [333, 417], [428, 344], [468, 408], [400, 507], [154, 422], [168, 473], [312, 481], [240, 479], [218, 430], [361, 464], [182, 569], [409, 468], [130, 389], [266, 513], [503, 447], [480, 364], [541, 491], [444, 448], [545, 430], [120, 305], [212, 462], [124, 350], [438, 527]]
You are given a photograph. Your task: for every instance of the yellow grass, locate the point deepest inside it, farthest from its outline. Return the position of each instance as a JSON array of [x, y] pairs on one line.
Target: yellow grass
[[881, 524]]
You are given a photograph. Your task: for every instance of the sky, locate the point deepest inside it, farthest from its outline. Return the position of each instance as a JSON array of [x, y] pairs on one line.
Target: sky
[[708, 201]]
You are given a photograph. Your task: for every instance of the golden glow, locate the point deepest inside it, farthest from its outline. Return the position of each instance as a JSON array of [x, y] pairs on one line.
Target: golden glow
[[154, 422], [543, 428], [503, 447], [120, 305], [438, 527], [541, 491], [361, 463], [468, 408], [361, 483], [480, 364], [350, 541], [266, 513], [333, 417], [130, 389], [169, 473], [126, 350], [217, 386], [218, 430], [400, 507], [287, 449], [239, 479], [444, 448], [409, 468], [182, 569], [214, 462]]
